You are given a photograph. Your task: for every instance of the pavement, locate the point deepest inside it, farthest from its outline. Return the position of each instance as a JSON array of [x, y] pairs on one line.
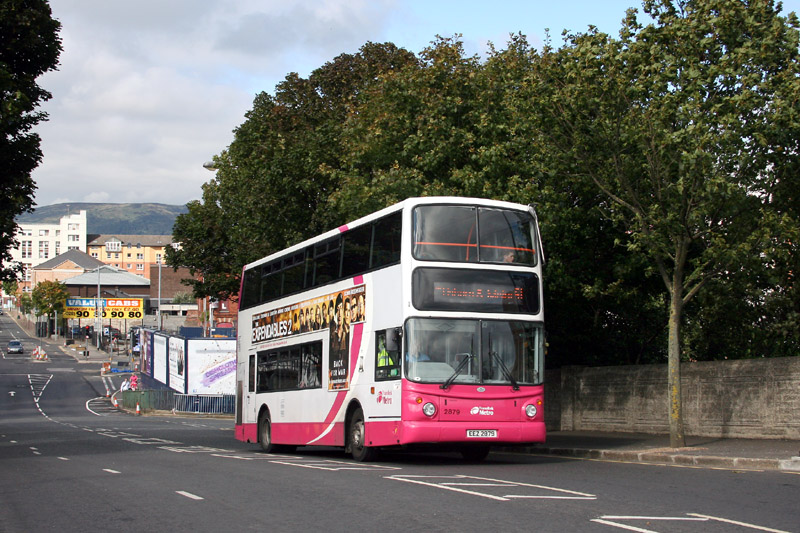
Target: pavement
[[703, 452]]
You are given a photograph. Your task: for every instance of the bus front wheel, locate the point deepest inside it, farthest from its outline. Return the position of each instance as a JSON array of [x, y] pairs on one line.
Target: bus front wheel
[[357, 437]]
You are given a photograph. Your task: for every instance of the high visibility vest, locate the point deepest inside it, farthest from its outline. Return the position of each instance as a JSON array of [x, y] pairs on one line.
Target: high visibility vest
[[384, 359]]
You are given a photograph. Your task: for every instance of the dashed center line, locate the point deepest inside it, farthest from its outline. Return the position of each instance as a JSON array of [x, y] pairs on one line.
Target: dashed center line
[[111, 471], [189, 495]]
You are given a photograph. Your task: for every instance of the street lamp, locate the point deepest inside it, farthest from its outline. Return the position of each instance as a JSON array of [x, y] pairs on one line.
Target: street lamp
[[98, 320], [160, 319], [210, 165]]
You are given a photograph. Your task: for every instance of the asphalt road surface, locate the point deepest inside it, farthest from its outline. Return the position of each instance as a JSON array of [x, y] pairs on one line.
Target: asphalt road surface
[[68, 462]]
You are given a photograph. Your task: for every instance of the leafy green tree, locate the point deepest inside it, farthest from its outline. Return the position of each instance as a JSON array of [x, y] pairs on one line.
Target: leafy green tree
[[675, 123], [183, 298], [29, 47], [453, 125], [414, 133], [10, 287], [26, 303], [270, 190], [49, 297]]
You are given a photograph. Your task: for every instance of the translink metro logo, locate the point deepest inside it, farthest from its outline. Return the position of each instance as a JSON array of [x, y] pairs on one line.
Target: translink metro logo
[[487, 411]]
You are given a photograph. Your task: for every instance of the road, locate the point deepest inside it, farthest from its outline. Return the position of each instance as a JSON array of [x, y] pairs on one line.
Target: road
[[69, 462]]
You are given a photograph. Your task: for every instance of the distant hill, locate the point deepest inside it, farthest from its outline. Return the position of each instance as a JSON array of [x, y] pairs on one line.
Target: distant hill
[[127, 219]]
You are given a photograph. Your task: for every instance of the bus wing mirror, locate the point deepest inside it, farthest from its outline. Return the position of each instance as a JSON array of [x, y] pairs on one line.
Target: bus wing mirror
[[393, 339]]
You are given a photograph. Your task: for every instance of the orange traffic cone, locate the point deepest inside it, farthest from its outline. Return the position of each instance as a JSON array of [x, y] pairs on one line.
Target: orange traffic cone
[[137, 409], [108, 393], [114, 401]]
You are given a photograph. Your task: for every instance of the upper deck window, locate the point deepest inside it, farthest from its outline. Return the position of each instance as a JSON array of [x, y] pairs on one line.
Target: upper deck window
[[469, 234]]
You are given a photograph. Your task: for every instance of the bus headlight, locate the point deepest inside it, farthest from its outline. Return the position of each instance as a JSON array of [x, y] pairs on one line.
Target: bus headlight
[[429, 409], [530, 410]]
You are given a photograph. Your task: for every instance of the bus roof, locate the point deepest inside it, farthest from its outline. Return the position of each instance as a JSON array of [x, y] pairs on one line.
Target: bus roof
[[417, 200]]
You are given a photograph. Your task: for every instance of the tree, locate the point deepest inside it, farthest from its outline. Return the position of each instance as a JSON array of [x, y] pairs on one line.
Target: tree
[[414, 133], [454, 125], [10, 287], [25, 303], [270, 190], [675, 122], [49, 297], [29, 47]]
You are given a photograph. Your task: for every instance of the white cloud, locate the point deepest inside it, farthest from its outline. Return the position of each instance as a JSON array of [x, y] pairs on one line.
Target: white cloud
[[147, 91]]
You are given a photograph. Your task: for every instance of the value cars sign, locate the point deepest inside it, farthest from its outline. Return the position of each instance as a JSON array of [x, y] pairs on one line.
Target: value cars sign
[[128, 308]]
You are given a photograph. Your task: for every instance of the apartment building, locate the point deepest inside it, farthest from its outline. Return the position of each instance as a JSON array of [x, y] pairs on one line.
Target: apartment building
[[133, 253], [40, 242]]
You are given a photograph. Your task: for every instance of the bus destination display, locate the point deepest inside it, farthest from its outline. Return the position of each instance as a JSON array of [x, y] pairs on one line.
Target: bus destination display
[[438, 289]]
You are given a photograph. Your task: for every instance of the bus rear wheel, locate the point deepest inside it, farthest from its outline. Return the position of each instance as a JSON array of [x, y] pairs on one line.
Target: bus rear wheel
[[357, 439]]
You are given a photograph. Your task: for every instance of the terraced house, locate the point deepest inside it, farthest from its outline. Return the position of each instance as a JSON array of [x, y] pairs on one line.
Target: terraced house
[[133, 253]]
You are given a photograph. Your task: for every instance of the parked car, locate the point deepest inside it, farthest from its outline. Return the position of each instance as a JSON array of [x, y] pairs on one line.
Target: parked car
[[14, 347]]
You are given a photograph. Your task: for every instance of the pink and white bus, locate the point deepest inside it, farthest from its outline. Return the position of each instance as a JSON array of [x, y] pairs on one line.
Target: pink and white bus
[[420, 323]]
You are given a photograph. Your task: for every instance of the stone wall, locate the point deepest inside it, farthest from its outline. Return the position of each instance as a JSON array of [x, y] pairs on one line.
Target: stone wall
[[752, 398]]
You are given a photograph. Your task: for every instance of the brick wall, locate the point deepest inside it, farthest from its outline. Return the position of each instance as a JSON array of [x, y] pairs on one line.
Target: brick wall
[[751, 398], [170, 282]]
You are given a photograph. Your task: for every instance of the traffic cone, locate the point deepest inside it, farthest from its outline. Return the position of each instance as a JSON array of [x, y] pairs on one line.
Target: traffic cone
[[114, 401], [137, 409], [108, 393]]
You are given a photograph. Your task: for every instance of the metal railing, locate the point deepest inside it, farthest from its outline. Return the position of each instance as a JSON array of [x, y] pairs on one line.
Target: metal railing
[[168, 400], [205, 403]]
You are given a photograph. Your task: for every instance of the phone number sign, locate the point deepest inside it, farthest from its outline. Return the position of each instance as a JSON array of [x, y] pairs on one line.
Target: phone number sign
[[111, 308]]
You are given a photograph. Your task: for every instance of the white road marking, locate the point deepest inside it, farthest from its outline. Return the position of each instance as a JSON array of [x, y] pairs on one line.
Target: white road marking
[[652, 518], [477, 482], [334, 465], [623, 526], [611, 520], [254, 457], [408, 479], [90, 409], [189, 495], [111, 471], [194, 449], [63, 458], [734, 522]]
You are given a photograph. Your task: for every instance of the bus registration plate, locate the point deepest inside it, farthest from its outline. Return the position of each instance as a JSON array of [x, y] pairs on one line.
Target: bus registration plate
[[482, 433]]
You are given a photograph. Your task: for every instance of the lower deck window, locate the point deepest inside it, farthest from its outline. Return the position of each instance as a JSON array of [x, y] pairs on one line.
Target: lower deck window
[[290, 368]]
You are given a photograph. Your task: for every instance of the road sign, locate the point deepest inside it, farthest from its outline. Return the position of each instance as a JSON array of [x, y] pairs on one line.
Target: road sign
[[128, 308]]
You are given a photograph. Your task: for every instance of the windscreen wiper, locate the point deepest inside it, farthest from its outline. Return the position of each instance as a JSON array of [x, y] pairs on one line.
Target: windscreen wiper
[[459, 368], [505, 370]]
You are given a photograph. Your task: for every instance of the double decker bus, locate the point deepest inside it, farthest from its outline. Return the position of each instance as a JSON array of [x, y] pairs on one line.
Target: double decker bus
[[420, 323]]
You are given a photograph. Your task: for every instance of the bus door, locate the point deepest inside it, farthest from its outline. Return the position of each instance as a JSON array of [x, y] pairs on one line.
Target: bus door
[[249, 393]]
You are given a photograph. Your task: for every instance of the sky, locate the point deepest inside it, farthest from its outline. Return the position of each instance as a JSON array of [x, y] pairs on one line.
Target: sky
[[148, 91]]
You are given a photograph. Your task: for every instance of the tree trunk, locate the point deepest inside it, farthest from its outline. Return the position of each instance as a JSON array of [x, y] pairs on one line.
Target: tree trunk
[[676, 435]]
